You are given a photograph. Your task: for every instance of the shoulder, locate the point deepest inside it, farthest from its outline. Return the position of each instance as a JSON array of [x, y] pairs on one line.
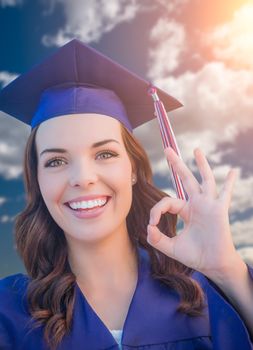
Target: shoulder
[[12, 290], [14, 314], [13, 282]]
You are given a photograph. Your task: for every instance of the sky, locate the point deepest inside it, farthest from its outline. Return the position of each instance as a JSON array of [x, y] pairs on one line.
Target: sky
[[199, 51]]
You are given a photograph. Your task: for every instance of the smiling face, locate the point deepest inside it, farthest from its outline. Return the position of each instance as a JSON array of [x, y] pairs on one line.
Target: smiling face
[[84, 156]]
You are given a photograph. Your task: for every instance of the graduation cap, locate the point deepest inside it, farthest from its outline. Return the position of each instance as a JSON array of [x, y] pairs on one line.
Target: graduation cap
[[79, 79]]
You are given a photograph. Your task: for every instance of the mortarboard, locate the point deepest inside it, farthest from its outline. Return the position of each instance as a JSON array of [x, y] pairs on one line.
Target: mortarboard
[[78, 79]]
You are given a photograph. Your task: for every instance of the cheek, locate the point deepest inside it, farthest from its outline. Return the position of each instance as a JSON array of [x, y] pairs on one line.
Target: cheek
[[123, 187], [121, 176], [50, 188]]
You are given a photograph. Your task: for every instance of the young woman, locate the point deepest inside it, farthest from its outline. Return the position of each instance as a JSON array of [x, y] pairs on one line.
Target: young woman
[[105, 268]]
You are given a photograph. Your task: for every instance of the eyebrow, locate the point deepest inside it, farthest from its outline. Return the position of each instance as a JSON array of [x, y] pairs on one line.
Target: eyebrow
[[62, 150]]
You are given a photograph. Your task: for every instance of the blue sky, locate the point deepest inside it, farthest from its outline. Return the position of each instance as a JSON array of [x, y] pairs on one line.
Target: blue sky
[[198, 51]]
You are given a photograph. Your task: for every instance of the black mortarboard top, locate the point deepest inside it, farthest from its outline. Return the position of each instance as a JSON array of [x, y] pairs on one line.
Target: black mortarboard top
[[79, 79]]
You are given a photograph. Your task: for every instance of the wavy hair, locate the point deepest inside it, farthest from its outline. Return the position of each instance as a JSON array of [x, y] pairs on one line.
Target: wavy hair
[[42, 246]]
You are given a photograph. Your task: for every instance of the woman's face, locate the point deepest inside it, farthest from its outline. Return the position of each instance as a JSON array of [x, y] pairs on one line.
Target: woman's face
[[84, 156]]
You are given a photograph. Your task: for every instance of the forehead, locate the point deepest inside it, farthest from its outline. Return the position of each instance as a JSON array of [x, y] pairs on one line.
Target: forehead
[[77, 129]]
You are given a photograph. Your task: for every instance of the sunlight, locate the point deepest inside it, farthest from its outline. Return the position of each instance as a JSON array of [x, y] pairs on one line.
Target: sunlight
[[233, 41]]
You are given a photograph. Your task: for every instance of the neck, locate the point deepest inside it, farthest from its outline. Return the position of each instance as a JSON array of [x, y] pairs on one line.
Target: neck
[[106, 264]]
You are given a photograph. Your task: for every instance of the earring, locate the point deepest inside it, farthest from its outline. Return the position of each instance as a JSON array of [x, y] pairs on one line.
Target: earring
[[133, 180]]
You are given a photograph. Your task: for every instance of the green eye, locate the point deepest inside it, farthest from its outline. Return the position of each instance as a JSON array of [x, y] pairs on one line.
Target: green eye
[[107, 154], [53, 163]]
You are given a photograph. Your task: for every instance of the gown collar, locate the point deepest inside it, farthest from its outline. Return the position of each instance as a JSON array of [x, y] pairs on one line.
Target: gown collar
[[152, 317]]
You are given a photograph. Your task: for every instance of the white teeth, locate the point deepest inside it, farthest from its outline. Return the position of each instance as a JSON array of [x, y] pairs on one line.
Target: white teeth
[[88, 204]]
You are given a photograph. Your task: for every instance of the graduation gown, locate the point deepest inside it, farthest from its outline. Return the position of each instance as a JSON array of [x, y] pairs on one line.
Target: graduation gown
[[152, 322]]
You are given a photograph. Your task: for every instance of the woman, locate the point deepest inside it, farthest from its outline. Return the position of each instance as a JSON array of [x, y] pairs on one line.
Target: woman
[[105, 269]]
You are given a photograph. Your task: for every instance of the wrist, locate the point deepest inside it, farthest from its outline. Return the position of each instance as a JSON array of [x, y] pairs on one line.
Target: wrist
[[233, 272]]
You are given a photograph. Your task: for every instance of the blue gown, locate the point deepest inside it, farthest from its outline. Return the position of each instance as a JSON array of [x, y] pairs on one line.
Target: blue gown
[[152, 322]]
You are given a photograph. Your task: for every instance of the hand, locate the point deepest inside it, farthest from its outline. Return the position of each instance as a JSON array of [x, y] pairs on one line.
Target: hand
[[205, 243]]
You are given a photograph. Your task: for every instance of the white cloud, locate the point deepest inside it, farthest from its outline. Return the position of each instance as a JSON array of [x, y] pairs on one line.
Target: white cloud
[[214, 97], [207, 140], [246, 254], [168, 43], [6, 77], [2, 200], [242, 233], [11, 3], [218, 105], [172, 7], [191, 132], [213, 112], [90, 20], [232, 41], [242, 198], [4, 219], [13, 136]]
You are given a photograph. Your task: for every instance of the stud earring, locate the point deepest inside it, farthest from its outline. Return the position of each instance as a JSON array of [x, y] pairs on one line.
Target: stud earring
[[133, 180]]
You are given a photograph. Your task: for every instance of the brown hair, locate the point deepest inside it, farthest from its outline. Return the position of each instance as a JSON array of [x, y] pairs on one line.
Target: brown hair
[[42, 246]]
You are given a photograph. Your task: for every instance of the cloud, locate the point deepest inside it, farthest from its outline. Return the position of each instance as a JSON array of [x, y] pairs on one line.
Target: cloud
[[217, 102], [232, 41], [2, 200], [168, 42], [217, 113], [246, 254], [214, 96], [90, 20], [6, 77], [172, 6], [237, 152], [213, 117], [13, 136], [11, 3], [242, 233], [4, 219]]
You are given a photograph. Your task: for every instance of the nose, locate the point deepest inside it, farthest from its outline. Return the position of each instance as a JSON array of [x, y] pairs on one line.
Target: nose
[[83, 174]]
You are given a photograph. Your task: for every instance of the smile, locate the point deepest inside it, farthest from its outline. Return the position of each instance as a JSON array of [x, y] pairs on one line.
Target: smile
[[88, 209], [88, 204]]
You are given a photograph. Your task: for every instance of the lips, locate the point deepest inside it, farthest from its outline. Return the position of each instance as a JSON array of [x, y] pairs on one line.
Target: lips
[[88, 213]]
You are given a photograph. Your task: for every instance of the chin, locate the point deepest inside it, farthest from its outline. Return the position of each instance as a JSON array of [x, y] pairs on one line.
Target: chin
[[87, 236]]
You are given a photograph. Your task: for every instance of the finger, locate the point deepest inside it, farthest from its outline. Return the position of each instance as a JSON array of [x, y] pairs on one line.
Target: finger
[[160, 241], [226, 192], [190, 183], [208, 181], [168, 205]]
